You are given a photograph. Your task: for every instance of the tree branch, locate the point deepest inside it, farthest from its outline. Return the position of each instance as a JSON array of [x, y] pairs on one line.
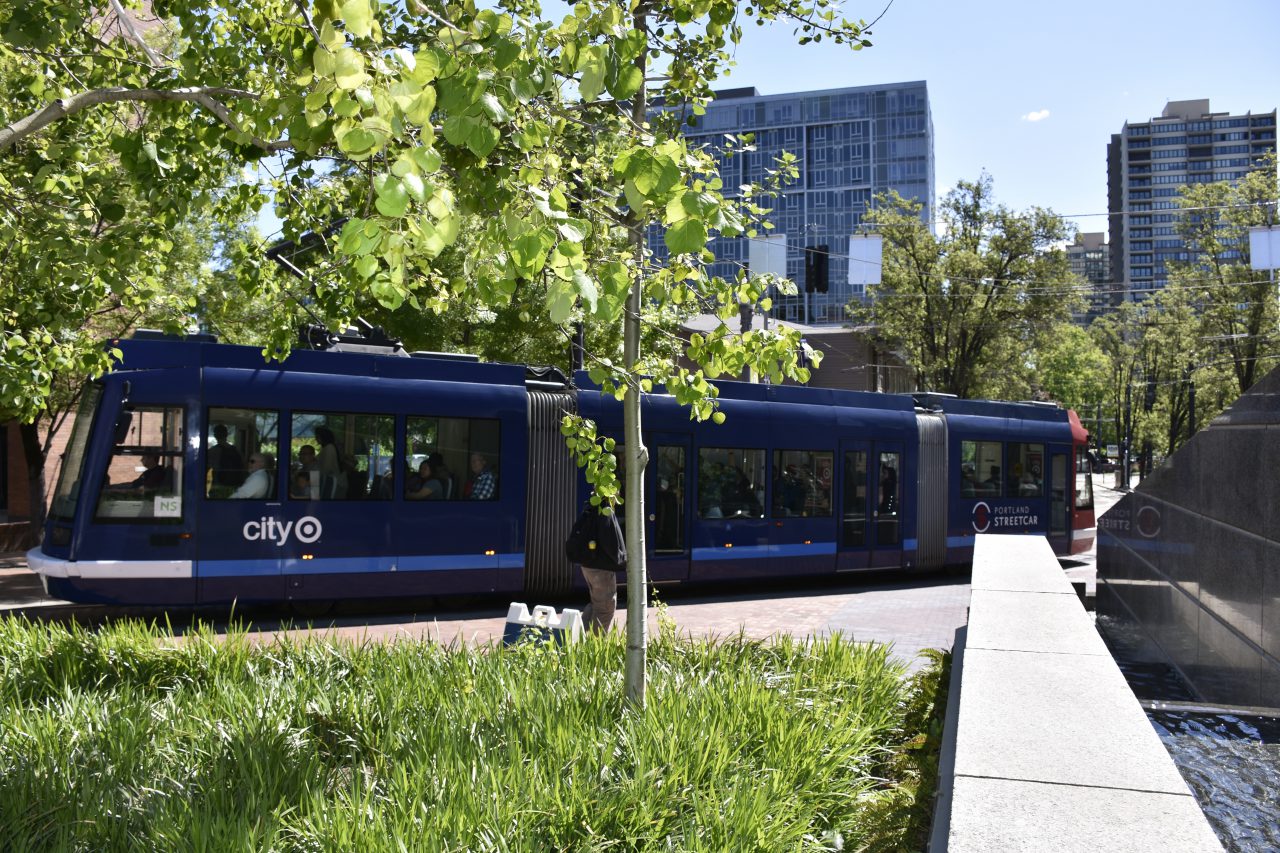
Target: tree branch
[[127, 23], [205, 96]]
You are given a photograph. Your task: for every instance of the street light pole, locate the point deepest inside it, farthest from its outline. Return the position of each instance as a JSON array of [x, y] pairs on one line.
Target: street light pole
[[1128, 436]]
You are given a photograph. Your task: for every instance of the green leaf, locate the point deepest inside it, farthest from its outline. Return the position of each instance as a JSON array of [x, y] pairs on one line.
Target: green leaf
[[471, 132], [149, 148], [112, 211], [493, 108], [387, 293], [316, 100], [349, 69], [366, 266], [586, 289], [628, 82], [346, 107], [688, 236], [414, 186], [357, 142], [427, 66], [358, 18], [505, 53], [428, 159], [393, 198], [330, 37], [423, 106], [575, 230], [560, 296], [323, 61], [675, 209], [593, 73]]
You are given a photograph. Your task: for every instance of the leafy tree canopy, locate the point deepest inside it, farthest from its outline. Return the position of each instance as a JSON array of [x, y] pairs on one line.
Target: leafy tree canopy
[[406, 118], [964, 301]]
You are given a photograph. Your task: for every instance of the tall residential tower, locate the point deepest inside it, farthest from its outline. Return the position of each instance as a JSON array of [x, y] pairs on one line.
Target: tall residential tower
[[1149, 161], [850, 144]]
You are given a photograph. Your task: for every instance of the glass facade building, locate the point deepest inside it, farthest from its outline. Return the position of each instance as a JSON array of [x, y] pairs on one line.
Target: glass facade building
[[1149, 162], [850, 144], [1090, 259]]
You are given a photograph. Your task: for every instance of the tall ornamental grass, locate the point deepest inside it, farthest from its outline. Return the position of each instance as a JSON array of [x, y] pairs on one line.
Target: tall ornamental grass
[[129, 739]]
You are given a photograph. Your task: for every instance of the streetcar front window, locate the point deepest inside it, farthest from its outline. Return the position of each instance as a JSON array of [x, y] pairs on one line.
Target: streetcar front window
[[1084, 480], [67, 492], [144, 475]]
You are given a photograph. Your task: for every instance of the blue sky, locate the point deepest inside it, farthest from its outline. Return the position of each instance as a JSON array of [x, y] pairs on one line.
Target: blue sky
[[1085, 67]]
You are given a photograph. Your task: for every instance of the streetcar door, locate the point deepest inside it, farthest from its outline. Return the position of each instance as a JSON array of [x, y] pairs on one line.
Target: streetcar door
[[731, 536], [668, 503], [886, 538], [853, 542], [242, 531], [801, 512], [1060, 480]]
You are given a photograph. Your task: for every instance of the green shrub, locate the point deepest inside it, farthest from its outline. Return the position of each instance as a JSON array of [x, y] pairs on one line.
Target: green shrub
[[129, 738]]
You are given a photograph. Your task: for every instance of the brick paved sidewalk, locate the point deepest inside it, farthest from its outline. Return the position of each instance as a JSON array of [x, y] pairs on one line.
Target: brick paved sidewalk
[[913, 614], [909, 612]]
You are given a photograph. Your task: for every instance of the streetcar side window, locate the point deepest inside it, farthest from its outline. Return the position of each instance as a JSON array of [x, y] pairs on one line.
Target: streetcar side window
[[731, 482], [144, 476], [980, 469], [452, 459], [1026, 477], [337, 456], [801, 483], [240, 454]]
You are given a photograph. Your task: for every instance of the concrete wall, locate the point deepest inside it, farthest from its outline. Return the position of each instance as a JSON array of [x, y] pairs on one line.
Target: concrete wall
[[1052, 750], [1191, 559]]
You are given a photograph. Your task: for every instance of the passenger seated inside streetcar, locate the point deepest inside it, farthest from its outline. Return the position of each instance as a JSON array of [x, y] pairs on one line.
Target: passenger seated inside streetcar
[[258, 483], [300, 487], [307, 459], [968, 482], [483, 485], [424, 485], [991, 485], [441, 470]]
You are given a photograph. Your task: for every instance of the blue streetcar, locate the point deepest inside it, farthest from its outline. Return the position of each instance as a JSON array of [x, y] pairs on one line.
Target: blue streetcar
[[197, 474]]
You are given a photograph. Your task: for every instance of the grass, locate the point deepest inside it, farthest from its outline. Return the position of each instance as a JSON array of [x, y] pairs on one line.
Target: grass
[[126, 739]]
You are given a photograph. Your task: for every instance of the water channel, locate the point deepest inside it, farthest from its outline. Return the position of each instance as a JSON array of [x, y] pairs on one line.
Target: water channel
[[1229, 759]]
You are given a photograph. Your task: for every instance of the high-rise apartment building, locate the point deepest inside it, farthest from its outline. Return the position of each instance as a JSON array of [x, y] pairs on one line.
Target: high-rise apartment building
[[1149, 161], [850, 145], [1090, 258]]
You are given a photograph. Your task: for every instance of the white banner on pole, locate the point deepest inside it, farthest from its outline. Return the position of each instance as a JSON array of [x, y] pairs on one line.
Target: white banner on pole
[[865, 252], [768, 255], [1264, 247]]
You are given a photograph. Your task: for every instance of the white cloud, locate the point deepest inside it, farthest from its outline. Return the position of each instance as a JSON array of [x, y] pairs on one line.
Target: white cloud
[[1038, 115]]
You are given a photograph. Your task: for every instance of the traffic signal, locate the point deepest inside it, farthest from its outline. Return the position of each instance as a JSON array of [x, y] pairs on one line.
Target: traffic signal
[[815, 269]]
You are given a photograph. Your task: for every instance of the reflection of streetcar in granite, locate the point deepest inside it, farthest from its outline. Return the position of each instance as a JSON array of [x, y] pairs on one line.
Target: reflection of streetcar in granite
[[797, 481]]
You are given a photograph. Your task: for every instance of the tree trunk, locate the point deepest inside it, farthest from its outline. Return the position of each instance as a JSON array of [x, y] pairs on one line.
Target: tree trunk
[[637, 454], [33, 455]]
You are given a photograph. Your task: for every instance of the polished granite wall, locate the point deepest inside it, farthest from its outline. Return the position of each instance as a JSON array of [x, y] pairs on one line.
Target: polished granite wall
[[1192, 556]]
